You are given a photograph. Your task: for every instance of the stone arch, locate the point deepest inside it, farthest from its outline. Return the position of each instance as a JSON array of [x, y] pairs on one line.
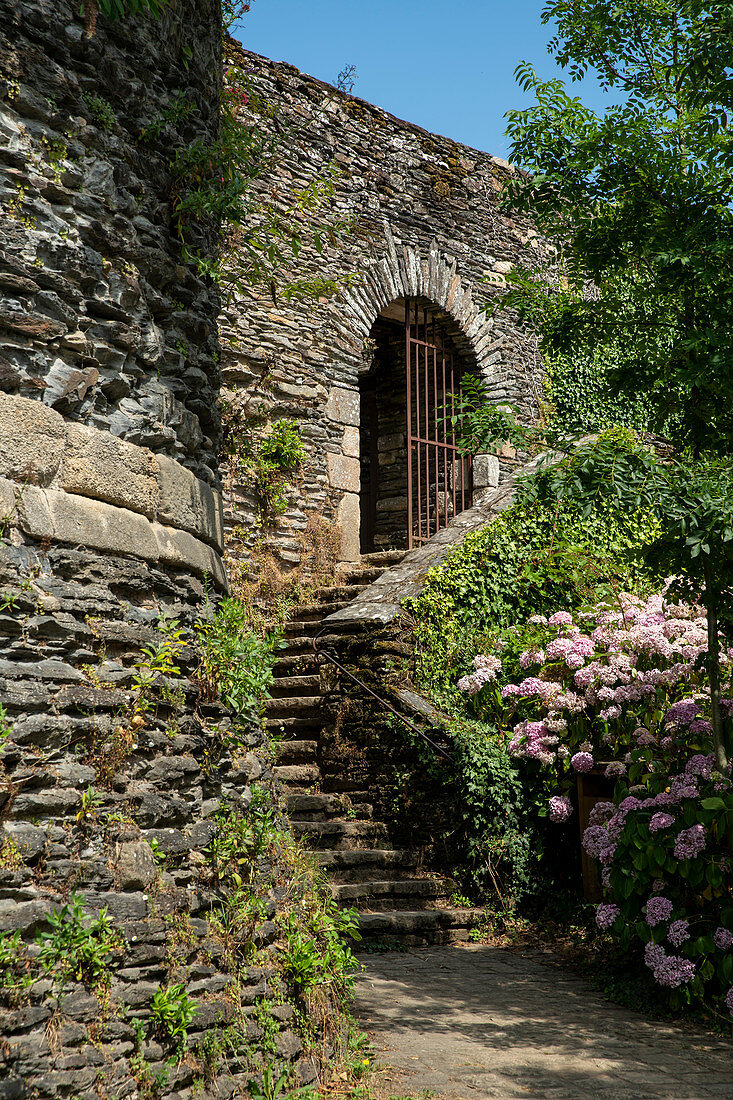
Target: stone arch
[[403, 272]]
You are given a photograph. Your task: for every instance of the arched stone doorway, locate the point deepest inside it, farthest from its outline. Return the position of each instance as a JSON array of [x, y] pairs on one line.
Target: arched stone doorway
[[413, 480]]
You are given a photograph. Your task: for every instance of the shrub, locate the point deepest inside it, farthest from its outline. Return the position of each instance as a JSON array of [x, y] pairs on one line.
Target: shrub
[[77, 946], [235, 662]]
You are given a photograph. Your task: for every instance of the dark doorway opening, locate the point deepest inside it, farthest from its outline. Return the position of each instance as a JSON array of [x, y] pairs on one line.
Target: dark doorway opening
[[413, 480]]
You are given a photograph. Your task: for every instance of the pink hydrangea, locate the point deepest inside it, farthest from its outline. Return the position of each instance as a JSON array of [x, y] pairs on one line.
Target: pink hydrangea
[[660, 821], [560, 808], [560, 618], [690, 842], [658, 909], [722, 938], [606, 915], [581, 762]]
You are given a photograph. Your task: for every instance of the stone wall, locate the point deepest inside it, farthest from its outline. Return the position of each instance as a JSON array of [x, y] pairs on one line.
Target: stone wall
[[426, 223], [110, 518]]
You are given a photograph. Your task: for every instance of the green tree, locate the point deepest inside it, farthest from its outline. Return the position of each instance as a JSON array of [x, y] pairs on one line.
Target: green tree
[[637, 202]]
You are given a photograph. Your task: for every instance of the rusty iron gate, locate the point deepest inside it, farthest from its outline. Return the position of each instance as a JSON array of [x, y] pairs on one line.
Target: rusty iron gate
[[438, 476]]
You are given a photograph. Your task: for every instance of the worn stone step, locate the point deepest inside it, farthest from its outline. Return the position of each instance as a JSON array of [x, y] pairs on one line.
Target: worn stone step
[[314, 612], [295, 686], [340, 835], [295, 752], [298, 633], [362, 576], [413, 926], [384, 558], [316, 807], [363, 864], [293, 663], [338, 592], [297, 775], [413, 892], [293, 706], [289, 728]]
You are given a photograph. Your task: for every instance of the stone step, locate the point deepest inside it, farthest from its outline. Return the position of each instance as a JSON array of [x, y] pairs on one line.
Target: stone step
[[364, 864], [295, 752], [293, 706], [316, 807], [420, 926], [314, 612], [337, 592], [294, 686], [299, 633], [341, 835], [293, 663], [417, 892], [288, 729], [363, 576], [384, 558], [297, 775]]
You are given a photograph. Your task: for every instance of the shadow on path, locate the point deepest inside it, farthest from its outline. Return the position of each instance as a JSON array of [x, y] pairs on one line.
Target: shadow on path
[[479, 1021]]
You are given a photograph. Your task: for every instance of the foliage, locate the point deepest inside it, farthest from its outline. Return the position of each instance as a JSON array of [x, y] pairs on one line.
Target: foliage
[[581, 399], [172, 1011], [118, 9], [275, 1085], [16, 968], [537, 555], [266, 462], [77, 946], [692, 538], [500, 844], [215, 187], [664, 848], [637, 203], [235, 663], [316, 953], [242, 839]]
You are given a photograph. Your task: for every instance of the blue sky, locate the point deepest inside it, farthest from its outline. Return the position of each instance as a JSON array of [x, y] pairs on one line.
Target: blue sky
[[445, 64]]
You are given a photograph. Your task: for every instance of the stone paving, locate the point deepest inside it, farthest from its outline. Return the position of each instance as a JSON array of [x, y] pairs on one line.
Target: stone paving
[[476, 1021]]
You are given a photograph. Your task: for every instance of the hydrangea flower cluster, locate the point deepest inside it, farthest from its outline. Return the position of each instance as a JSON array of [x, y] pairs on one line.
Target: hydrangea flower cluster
[[485, 672], [668, 970]]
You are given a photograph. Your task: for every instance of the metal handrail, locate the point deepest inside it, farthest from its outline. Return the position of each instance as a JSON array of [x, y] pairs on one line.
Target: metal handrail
[[321, 652]]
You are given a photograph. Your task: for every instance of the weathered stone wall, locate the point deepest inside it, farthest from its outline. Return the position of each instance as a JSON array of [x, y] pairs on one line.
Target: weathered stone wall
[[110, 517], [426, 223]]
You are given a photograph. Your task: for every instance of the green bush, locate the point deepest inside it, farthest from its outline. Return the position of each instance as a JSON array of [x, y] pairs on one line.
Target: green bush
[[530, 560], [235, 662], [77, 947]]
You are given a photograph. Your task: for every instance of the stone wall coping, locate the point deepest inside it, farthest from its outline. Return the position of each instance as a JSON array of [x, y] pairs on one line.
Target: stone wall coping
[[373, 108], [381, 602], [49, 513], [39, 447]]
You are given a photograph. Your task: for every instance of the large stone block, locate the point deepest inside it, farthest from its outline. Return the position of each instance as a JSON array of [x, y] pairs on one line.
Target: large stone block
[[84, 522], [485, 471], [349, 519], [188, 503], [31, 440], [181, 549], [350, 442], [343, 406], [98, 465], [343, 472]]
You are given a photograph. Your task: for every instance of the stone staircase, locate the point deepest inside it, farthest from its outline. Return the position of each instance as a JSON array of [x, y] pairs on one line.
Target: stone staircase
[[399, 900]]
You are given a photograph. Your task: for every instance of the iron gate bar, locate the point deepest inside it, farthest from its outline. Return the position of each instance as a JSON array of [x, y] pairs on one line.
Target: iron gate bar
[[432, 375]]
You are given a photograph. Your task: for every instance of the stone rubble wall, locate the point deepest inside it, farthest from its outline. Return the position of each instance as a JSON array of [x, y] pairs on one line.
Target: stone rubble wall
[[110, 516], [426, 222]]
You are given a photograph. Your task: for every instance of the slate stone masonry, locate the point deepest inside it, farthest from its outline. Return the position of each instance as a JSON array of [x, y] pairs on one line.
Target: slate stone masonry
[[425, 222], [110, 516]]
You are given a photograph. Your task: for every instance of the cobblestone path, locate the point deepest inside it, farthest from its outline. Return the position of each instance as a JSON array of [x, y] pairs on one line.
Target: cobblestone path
[[475, 1021]]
